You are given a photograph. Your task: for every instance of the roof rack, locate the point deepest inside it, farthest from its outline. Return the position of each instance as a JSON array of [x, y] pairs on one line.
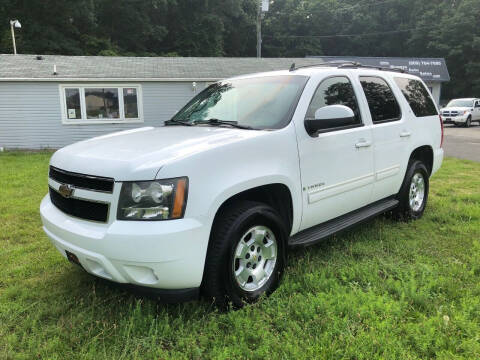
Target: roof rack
[[345, 65], [328, 63]]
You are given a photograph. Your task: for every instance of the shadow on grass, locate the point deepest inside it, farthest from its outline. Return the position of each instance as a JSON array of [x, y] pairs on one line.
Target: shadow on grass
[[328, 248], [81, 291]]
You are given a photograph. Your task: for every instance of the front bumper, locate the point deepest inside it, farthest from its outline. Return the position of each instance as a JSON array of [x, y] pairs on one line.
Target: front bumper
[[455, 119], [166, 255]]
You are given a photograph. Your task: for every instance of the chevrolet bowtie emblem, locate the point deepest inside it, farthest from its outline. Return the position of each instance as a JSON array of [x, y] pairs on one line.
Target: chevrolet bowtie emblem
[[66, 190]]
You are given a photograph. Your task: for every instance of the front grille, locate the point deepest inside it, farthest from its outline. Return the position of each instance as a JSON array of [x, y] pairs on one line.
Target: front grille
[[82, 209], [82, 181], [450, 113]]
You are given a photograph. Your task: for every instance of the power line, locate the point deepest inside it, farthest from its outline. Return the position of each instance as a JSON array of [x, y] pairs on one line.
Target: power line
[[347, 35], [363, 5], [355, 35]]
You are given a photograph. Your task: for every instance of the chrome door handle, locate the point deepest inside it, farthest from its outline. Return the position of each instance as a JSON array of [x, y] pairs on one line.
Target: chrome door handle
[[363, 144], [404, 134]]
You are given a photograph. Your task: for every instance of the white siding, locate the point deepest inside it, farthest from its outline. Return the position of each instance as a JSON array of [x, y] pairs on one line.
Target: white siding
[[436, 89], [30, 113]]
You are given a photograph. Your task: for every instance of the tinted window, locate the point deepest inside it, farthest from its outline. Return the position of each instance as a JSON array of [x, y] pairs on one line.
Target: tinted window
[[334, 91], [381, 101], [417, 96]]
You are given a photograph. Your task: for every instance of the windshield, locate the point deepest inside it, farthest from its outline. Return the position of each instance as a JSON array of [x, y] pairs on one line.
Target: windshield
[[259, 103], [460, 103]]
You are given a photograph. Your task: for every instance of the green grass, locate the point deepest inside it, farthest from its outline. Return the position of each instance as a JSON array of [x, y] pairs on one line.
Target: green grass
[[383, 290]]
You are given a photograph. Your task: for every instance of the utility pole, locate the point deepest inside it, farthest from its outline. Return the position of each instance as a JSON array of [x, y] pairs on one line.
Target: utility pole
[[14, 24], [261, 10], [259, 29]]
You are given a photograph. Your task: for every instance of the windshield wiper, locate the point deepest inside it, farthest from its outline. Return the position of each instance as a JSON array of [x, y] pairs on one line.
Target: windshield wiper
[[217, 122], [175, 122]]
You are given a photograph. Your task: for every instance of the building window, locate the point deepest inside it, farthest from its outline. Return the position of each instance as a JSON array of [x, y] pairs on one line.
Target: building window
[[92, 104], [72, 97], [130, 102]]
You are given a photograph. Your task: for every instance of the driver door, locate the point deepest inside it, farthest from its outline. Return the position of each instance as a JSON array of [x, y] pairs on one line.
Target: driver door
[[336, 164], [476, 111]]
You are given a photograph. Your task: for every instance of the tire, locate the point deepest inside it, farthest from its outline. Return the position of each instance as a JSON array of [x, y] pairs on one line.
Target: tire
[[411, 202], [468, 122], [234, 228]]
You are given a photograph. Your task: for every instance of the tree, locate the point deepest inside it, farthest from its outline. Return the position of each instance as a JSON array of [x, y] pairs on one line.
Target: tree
[[292, 28]]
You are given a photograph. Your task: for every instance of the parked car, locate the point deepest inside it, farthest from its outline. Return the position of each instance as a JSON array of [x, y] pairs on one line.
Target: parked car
[[211, 202], [461, 112]]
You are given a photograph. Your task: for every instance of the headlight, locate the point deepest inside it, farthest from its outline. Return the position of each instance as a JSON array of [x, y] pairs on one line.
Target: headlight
[[153, 200]]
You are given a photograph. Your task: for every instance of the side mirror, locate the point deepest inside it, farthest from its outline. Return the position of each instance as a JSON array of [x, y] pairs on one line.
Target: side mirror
[[331, 116]]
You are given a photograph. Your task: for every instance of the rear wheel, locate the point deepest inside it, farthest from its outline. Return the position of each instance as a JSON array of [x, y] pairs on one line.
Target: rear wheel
[[413, 194], [246, 255]]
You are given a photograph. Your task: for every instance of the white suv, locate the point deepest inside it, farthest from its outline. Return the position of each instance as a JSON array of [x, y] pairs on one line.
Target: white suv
[[211, 202], [461, 112]]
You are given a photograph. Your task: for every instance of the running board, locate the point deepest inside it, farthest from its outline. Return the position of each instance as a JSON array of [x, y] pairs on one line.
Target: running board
[[316, 233]]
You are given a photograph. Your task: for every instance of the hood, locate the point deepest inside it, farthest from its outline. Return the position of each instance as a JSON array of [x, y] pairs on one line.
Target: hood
[[139, 154], [456, 108]]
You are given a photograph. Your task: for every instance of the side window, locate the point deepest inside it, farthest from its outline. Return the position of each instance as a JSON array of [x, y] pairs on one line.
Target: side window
[[381, 101], [417, 96], [334, 91]]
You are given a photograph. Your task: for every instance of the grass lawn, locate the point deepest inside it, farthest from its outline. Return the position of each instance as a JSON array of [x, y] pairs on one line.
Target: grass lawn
[[383, 290]]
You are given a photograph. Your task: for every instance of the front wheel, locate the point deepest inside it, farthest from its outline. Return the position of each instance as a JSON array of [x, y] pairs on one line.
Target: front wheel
[[468, 122], [413, 194], [246, 255]]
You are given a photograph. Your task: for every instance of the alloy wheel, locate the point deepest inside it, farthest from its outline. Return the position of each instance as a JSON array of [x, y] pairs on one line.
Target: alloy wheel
[[417, 192], [254, 258]]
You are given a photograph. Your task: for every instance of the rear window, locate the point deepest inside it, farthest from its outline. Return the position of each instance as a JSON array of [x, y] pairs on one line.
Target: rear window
[[417, 96]]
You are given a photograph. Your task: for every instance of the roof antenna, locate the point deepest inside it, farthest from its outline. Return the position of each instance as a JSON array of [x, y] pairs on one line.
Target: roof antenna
[[292, 67], [54, 69]]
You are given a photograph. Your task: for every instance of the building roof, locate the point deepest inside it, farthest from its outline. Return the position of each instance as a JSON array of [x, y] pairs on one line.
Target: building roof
[[429, 69], [99, 68], [28, 68]]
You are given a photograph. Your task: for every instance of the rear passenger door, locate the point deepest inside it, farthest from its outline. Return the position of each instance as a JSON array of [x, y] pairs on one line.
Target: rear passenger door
[[391, 135]]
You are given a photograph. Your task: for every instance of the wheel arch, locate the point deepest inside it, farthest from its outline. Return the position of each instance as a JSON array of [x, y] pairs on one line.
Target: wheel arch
[[425, 154], [277, 195], [273, 194]]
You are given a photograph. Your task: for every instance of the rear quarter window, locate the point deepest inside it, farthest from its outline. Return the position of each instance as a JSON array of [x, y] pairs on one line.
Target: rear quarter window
[[417, 97]]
